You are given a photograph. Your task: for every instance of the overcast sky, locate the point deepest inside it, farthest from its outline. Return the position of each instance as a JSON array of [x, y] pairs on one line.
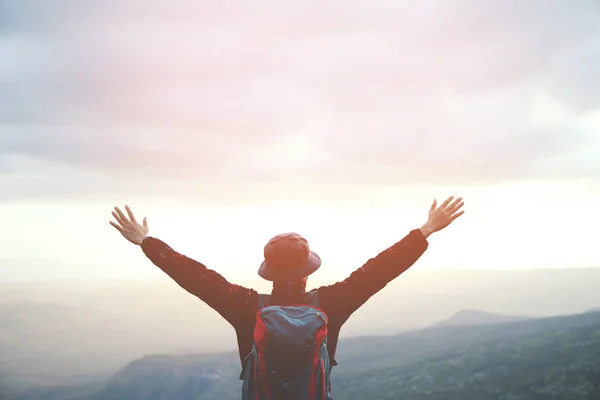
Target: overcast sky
[[269, 102]]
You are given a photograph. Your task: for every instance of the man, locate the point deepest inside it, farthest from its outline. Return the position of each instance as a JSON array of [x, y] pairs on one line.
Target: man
[[288, 263]]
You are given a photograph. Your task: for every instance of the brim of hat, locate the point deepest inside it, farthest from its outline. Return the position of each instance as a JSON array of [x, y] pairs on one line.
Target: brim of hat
[[276, 274]]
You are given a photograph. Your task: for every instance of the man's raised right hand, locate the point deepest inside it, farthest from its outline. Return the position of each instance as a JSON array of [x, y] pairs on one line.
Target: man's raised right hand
[[442, 216], [129, 227]]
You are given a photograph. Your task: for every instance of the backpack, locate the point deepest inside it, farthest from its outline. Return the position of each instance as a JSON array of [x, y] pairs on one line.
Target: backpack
[[289, 358]]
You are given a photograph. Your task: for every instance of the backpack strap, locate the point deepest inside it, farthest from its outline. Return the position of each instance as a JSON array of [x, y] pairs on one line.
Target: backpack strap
[[264, 300], [312, 298]]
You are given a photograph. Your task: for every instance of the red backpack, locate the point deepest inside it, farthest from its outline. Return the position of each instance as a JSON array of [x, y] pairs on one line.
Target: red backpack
[[289, 358]]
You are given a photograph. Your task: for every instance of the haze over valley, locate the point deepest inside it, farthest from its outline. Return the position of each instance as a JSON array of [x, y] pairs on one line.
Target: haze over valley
[[64, 333]]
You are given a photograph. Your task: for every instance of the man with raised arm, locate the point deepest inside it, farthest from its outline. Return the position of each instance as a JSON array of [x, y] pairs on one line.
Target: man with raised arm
[[311, 321]]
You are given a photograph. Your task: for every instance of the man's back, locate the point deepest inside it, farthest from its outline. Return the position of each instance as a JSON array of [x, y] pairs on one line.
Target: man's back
[[289, 359]]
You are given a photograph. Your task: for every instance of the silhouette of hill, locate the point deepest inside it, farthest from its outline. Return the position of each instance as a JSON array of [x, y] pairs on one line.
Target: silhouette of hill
[[478, 317], [535, 359], [61, 334]]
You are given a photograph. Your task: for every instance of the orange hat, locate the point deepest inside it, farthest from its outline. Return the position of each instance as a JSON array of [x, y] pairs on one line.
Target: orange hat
[[288, 258]]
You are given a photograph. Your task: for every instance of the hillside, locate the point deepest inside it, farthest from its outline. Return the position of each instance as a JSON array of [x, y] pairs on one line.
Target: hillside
[[546, 358], [554, 358], [63, 334]]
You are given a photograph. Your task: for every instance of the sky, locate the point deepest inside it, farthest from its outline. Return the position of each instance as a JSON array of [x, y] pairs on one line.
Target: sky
[[227, 123]]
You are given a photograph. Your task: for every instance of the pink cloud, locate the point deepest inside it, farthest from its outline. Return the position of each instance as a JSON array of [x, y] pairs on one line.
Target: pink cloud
[[428, 91]]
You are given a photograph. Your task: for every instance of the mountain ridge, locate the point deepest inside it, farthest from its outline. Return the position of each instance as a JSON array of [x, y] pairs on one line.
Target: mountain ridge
[[388, 362], [127, 321], [470, 317], [395, 351]]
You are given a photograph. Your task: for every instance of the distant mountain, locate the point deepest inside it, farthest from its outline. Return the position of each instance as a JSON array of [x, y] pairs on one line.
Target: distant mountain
[[478, 317], [59, 333], [523, 360], [177, 377]]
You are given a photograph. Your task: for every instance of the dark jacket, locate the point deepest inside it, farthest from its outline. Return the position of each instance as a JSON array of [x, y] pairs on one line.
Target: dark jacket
[[238, 305]]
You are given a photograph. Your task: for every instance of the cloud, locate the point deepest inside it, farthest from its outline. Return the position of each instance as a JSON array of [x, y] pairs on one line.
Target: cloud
[[261, 92]]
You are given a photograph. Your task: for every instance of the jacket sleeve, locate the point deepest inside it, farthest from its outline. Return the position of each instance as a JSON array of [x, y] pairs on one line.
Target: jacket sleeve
[[229, 300], [341, 299]]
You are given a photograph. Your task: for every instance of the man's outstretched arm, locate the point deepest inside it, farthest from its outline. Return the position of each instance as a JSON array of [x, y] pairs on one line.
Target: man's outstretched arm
[[227, 299], [345, 297]]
